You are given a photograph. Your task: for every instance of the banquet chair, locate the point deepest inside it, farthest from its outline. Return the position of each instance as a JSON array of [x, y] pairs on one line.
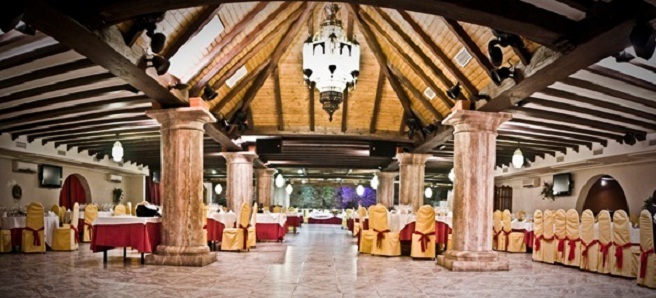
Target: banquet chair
[[276, 209], [647, 264], [572, 255], [423, 238], [291, 209], [605, 242], [512, 241], [236, 239], [128, 208], [90, 214], [55, 209], [386, 243], [497, 229], [348, 212], [67, 238], [33, 240], [283, 210], [366, 236], [623, 253], [560, 233], [251, 230], [357, 222], [589, 243], [119, 210], [547, 243], [521, 215], [61, 214], [5, 241], [206, 209], [537, 232], [134, 211]]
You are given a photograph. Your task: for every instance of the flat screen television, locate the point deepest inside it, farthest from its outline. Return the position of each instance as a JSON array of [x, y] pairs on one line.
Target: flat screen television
[[50, 176], [562, 184]]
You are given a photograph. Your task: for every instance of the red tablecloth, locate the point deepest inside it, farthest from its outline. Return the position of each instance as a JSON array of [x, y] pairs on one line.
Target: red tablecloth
[[214, 230], [143, 238], [294, 221], [331, 221], [349, 224], [270, 232]]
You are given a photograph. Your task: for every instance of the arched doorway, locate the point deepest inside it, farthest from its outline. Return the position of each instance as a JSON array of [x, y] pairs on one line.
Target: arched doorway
[[75, 189], [605, 194]]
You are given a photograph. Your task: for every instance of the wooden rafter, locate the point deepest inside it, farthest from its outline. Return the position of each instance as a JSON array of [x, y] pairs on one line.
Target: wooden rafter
[[33, 55], [33, 132], [72, 83], [122, 124], [276, 90], [239, 86], [46, 72], [190, 30], [609, 91], [439, 53], [92, 116], [227, 39], [516, 139], [470, 45], [619, 76], [603, 142], [552, 139], [410, 62], [378, 98], [568, 128], [94, 134], [105, 48], [597, 103], [416, 93]]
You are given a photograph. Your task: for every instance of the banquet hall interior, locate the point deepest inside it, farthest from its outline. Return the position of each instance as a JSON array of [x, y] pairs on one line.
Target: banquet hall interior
[[401, 148]]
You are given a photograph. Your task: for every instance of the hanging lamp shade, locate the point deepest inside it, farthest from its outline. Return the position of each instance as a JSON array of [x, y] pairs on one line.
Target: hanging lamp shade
[[289, 189], [452, 175], [518, 159], [218, 189], [280, 181], [359, 190], [374, 182], [428, 192], [117, 152]]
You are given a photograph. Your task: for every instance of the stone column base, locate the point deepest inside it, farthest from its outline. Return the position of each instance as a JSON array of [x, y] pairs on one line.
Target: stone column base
[[181, 256], [472, 261]]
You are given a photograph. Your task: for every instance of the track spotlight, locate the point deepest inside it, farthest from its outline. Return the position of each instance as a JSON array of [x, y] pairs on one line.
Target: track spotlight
[[454, 91], [494, 52], [160, 64], [413, 126], [11, 15], [209, 93], [629, 138], [508, 39], [500, 74], [157, 40], [623, 56], [643, 41], [26, 29], [428, 129]]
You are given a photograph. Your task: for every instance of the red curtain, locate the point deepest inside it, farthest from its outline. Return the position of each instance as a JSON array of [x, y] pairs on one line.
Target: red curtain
[[72, 192], [152, 191]]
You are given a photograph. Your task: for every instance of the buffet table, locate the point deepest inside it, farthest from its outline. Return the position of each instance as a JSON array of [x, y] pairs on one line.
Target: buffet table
[[140, 233], [217, 222], [270, 226], [16, 224]]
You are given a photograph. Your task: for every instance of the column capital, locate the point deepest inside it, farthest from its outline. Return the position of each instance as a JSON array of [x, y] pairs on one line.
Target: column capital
[[382, 174], [473, 121], [265, 172], [182, 118], [412, 158], [239, 157]]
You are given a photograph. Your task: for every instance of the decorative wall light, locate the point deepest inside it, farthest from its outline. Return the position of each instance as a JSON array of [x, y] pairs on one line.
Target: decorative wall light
[[428, 193], [518, 159], [117, 151], [218, 189], [359, 190], [452, 175], [289, 189], [454, 91], [280, 181], [209, 93], [374, 182], [330, 61]]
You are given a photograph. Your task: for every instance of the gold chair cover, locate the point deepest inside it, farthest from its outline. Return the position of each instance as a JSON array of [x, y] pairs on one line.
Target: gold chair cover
[[561, 235], [572, 255], [251, 230], [605, 242], [548, 242], [589, 243], [623, 253], [33, 240], [538, 233], [386, 243], [423, 238], [647, 264], [119, 210], [236, 239], [67, 238], [497, 229], [512, 241], [90, 214]]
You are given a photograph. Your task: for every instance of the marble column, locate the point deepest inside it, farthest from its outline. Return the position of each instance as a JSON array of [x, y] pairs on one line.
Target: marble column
[[412, 168], [473, 191], [264, 186], [182, 188], [385, 191], [239, 181]]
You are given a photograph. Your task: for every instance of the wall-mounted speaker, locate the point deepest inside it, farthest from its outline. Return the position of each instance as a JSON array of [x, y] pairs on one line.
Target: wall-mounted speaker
[[382, 149], [268, 146]]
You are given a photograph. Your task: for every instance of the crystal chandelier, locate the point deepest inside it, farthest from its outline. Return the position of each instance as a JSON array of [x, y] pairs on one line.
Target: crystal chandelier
[[330, 61]]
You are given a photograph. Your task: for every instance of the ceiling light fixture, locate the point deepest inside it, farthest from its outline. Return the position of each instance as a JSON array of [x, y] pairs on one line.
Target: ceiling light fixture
[[454, 91], [374, 182], [218, 189], [501, 74], [452, 175], [495, 53], [160, 64], [209, 93], [289, 189], [518, 159], [359, 190], [117, 151], [428, 193], [330, 61], [643, 40], [280, 181], [629, 138], [623, 56]]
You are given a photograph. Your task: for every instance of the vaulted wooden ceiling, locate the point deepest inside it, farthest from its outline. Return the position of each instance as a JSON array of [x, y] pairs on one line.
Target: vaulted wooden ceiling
[[76, 83]]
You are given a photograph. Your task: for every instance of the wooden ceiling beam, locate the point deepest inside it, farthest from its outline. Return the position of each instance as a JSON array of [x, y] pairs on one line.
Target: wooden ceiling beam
[[46, 72], [410, 62], [190, 30], [461, 34], [619, 76], [444, 59], [559, 133], [417, 94], [533, 141], [237, 29], [214, 131], [541, 26], [72, 83], [567, 128], [581, 5], [609, 91], [105, 48], [596, 102], [278, 97], [101, 105], [111, 139], [377, 100], [239, 87], [33, 55], [128, 130], [93, 130], [546, 138], [33, 132]]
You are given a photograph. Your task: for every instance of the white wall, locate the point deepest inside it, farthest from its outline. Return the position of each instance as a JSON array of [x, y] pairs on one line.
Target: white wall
[[638, 180], [100, 186]]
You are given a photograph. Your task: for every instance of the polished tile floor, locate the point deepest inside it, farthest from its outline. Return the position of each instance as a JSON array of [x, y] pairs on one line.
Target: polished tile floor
[[320, 261]]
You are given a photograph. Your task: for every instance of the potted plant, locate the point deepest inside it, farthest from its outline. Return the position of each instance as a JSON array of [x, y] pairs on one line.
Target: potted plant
[[117, 195], [547, 191]]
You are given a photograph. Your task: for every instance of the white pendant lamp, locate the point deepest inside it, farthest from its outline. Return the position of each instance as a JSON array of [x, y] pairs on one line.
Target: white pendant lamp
[[518, 159], [452, 175], [218, 189], [289, 189], [117, 152], [428, 192], [280, 181], [359, 190], [374, 182]]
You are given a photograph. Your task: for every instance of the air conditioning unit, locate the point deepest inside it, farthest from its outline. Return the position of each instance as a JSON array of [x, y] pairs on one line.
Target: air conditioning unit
[[531, 182], [115, 178], [24, 167]]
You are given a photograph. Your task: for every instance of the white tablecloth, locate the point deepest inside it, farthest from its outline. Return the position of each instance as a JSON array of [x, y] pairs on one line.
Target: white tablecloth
[[448, 220], [397, 221], [516, 225], [227, 219], [321, 215], [124, 220], [50, 224], [268, 218]]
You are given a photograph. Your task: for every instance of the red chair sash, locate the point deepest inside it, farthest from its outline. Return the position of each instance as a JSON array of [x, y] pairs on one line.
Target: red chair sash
[[380, 235], [507, 233], [584, 251], [619, 255], [561, 244], [604, 251], [537, 241], [424, 239], [496, 234], [77, 234], [245, 228], [644, 255], [572, 248], [35, 235]]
